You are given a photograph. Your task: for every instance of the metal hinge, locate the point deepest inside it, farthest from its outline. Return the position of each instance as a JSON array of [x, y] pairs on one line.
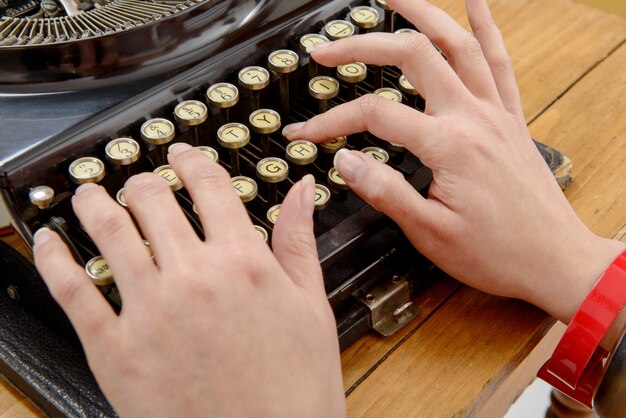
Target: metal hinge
[[390, 306]]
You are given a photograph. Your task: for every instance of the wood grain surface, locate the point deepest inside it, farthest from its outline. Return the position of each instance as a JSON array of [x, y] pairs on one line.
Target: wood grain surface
[[470, 354]]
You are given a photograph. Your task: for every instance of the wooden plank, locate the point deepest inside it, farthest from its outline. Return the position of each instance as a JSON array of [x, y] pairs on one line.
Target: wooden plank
[[455, 361], [589, 126], [552, 43]]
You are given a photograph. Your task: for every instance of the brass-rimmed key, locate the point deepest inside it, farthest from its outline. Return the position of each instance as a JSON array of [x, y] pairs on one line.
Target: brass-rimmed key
[[168, 173], [323, 88], [122, 152], [389, 94], [352, 74], [272, 171], [233, 136], [301, 153], [98, 270], [284, 62], [254, 79], [210, 152], [87, 170], [336, 181], [272, 214], [322, 197], [365, 18], [265, 122], [245, 187], [41, 196], [191, 113], [121, 198], [414, 99], [306, 42], [389, 15], [262, 233], [157, 133], [223, 96], [339, 29], [377, 154]]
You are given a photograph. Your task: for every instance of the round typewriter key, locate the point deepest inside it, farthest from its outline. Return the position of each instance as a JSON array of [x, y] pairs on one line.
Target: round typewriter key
[[389, 94], [335, 180], [406, 30], [383, 4], [311, 39], [222, 95], [157, 131], [272, 170], [120, 198], [233, 135], [338, 29], [195, 209], [364, 17], [148, 248], [209, 152], [262, 233], [272, 214], [98, 270], [170, 176], [352, 73], [245, 187], [283, 61], [396, 147], [323, 87], [254, 78], [123, 151], [41, 196], [333, 145], [301, 152], [87, 170], [265, 121], [322, 197], [406, 86], [191, 112], [376, 153]]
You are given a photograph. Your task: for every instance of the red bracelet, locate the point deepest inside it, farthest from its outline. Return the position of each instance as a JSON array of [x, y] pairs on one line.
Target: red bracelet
[[577, 364]]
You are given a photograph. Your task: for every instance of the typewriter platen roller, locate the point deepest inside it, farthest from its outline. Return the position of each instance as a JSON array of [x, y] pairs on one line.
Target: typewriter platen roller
[[96, 91]]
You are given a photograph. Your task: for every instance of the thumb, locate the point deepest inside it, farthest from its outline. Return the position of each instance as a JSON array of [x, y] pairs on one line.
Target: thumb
[[293, 240], [382, 187]]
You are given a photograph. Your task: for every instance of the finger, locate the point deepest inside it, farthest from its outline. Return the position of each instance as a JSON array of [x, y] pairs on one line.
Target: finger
[[160, 218], [390, 121], [420, 62], [84, 305], [383, 188], [115, 235], [497, 57], [220, 209], [293, 240], [462, 49]]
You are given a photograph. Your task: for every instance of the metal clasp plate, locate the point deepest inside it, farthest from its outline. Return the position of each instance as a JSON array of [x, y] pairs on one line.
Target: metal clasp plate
[[390, 306]]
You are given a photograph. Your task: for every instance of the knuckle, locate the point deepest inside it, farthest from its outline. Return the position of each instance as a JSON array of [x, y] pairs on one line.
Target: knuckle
[[471, 48], [145, 185], [379, 184], [368, 106], [110, 222], [67, 289], [210, 174], [502, 63], [416, 42]]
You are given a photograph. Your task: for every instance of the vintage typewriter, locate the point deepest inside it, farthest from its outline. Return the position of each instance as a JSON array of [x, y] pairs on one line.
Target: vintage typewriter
[[95, 91]]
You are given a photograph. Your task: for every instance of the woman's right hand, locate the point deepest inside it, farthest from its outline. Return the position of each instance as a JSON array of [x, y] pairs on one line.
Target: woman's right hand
[[494, 218]]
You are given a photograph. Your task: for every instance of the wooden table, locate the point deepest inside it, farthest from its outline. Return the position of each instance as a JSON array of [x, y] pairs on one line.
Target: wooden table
[[470, 354]]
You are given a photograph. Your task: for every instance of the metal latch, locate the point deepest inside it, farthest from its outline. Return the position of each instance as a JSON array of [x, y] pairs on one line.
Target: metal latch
[[390, 306]]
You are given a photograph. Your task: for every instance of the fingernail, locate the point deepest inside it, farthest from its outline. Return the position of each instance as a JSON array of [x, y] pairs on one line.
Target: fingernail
[[177, 148], [290, 130], [349, 164], [317, 47], [308, 194], [42, 235], [84, 187]]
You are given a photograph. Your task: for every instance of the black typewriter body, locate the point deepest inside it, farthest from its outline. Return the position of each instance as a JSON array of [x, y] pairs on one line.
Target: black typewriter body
[[68, 99]]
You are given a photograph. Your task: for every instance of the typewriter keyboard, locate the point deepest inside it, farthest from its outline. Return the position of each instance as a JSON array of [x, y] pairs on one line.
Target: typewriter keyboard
[[232, 109]]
